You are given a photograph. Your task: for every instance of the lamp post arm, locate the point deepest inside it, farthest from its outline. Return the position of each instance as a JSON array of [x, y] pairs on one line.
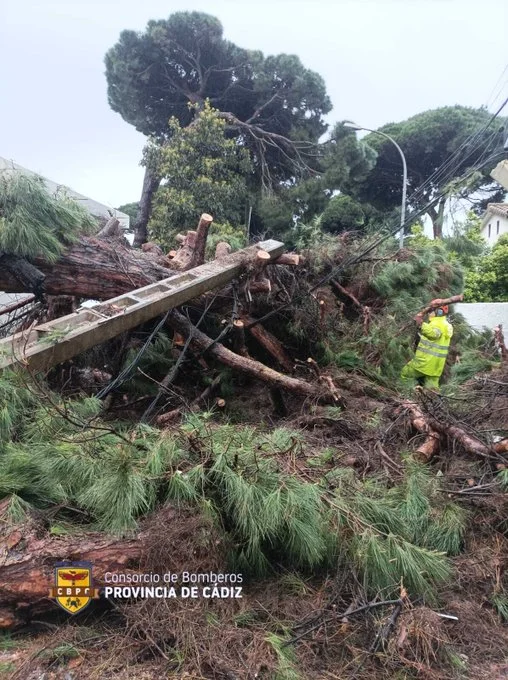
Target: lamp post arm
[[404, 180]]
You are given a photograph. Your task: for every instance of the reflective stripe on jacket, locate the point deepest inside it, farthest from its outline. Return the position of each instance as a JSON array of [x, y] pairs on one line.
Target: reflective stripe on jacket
[[432, 350]]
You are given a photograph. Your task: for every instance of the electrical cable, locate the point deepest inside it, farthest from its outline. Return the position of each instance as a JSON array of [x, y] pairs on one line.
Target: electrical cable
[[125, 374], [348, 262]]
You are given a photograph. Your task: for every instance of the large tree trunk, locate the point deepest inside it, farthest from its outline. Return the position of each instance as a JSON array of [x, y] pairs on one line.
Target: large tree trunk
[[28, 557], [91, 268], [151, 183], [29, 278], [436, 214]]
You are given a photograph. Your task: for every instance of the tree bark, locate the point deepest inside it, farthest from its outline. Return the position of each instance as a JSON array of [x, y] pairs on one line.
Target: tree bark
[[27, 558], [185, 254], [222, 249], [90, 268], [434, 428], [151, 183], [27, 566], [24, 276], [270, 343], [255, 369], [204, 224], [428, 449], [438, 302], [111, 228], [437, 217]]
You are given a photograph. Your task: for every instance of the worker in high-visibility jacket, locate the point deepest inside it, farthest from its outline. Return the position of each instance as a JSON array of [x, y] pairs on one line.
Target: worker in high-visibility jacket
[[429, 360]]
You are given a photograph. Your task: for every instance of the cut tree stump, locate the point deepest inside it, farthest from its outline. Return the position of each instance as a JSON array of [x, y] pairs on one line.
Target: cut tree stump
[[222, 249], [183, 258], [239, 338], [205, 222], [291, 259], [192, 249]]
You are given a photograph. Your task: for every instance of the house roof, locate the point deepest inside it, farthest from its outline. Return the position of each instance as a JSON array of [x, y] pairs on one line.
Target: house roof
[[94, 207], [500, 209]]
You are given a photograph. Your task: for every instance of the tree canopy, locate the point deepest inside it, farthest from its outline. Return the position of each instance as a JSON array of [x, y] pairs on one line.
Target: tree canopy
[[184, 60], [428, 140], [273, 105], [212, 178]]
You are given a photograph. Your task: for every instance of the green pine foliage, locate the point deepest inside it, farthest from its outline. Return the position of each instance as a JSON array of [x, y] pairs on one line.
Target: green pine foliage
[[34, 223], [286, 659], [155, 362], [500, 602], [15, 401], [65, 454]]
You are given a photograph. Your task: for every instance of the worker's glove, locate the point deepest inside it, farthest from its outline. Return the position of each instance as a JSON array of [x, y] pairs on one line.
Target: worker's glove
[[418, 319]]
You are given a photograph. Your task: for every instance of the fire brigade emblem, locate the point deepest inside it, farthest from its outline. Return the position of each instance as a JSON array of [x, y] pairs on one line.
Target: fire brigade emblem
[[73, 588]]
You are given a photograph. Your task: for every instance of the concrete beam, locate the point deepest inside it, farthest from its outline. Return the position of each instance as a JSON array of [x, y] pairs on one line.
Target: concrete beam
[[52, 343]]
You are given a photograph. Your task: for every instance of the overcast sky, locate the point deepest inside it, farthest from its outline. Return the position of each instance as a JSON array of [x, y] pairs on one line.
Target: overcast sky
[[382, 61]]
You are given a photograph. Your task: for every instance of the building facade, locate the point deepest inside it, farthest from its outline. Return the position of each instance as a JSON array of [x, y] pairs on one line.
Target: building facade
[[495, 222], [95, 208]]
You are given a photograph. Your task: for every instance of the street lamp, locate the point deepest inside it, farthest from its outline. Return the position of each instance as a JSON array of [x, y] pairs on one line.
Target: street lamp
[[354, 126]]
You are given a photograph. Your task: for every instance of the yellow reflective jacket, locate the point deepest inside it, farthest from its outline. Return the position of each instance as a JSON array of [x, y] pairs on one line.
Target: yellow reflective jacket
[[432, 350]]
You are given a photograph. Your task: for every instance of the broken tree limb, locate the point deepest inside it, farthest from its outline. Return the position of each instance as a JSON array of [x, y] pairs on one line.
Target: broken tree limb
[[17, 305], [363, 309], [430, 446], [192, 249], [346, 293], [250, 367], [269, 342], [434, 428], [183, 258], [500, 344], [438, 302], [170, 417]]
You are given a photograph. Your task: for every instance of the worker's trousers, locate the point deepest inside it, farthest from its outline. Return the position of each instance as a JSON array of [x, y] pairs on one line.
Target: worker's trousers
[[409, 372]]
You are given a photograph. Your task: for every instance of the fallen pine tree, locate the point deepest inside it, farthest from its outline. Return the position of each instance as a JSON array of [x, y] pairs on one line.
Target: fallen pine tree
[[325, 501]]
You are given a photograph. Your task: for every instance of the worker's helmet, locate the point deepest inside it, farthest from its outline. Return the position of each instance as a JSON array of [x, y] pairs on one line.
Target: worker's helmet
[[441, 311]]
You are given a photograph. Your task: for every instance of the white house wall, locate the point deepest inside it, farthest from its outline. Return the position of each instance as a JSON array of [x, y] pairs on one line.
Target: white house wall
[[498, 226]]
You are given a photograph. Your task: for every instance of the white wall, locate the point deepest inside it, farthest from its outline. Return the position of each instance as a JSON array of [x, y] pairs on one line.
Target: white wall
[[484, 314], [498, 226]]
